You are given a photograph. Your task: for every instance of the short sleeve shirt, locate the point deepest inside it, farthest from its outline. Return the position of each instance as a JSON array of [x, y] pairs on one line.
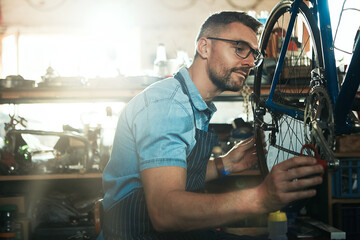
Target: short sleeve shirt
[[156, 128]]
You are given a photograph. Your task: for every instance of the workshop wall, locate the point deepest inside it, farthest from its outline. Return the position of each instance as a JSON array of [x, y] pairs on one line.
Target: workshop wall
[[173, 23]]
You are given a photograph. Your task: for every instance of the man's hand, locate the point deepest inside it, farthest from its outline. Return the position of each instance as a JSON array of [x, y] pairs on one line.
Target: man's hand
[[242, 156], [289, 181]]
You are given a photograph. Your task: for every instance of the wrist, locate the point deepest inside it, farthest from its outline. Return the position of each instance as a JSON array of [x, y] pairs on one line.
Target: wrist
[[221, 170], [263, 202]]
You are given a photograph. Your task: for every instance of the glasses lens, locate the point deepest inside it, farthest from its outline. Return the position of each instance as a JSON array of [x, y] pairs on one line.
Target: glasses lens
[[243, 49]]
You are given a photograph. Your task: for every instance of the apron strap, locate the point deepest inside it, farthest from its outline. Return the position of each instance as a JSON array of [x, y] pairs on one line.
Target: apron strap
[[185, 89]]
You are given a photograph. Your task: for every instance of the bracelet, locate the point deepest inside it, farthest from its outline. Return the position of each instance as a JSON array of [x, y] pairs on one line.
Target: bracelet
[[220, 167]]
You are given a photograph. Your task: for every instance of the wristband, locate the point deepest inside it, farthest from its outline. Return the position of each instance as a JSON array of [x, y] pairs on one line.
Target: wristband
[[220, 167]]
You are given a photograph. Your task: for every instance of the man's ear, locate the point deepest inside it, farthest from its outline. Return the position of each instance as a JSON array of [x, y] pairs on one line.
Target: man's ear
[[203, 47]]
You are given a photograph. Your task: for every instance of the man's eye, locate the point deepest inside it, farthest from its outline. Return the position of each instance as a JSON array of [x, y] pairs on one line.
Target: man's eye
[[242, 47]]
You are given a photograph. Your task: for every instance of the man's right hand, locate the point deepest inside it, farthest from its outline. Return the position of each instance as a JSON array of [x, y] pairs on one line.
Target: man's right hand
[[289, 181]]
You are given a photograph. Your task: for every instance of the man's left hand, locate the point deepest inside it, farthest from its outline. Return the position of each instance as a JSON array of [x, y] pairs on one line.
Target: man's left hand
[[241, 157]]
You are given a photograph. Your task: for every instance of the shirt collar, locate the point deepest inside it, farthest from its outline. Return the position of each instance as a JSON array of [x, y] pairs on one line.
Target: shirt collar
[[195, 96]]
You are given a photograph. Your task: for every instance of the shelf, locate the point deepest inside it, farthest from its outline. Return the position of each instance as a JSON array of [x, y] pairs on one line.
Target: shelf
[[85, 94], [347, 155], [103, 94], [62, 94], [345, 200], [51, 176]]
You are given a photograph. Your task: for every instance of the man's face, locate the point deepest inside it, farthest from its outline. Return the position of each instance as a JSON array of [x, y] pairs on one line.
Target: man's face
[[226, 69]]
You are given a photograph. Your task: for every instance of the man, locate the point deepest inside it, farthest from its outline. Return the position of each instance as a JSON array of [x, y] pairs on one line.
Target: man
[[159, 162]]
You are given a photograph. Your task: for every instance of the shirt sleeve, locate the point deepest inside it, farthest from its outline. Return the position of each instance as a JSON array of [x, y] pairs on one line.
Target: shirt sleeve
[[164, 133]]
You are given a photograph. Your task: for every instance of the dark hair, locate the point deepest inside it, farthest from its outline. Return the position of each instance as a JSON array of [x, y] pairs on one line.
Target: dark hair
[[216, 23]]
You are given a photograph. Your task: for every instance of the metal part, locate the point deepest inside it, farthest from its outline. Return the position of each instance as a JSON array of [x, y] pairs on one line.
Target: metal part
[[265, 126], [319, 127], [317, 77], [259, 112], [334, 164], [88, 157], [285, 149]]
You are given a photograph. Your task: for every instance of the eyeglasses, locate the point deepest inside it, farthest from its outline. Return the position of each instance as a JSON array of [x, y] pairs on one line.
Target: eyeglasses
[[243, 50]]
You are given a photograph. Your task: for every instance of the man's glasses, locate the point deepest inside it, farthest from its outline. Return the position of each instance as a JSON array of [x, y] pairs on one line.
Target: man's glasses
[[243, 50]]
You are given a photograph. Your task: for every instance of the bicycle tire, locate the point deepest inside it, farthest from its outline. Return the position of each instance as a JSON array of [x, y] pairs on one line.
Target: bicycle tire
[[287, 136]]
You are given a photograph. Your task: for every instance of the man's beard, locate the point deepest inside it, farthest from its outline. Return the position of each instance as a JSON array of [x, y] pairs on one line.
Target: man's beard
[[224, 82]]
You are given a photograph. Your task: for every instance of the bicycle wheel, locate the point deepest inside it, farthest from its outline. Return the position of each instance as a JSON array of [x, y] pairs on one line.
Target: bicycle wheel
[[286, 134]]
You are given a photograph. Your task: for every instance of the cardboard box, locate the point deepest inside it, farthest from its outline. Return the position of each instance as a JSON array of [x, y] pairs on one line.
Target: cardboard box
[[19, 201], [348, 145], [25, 228]]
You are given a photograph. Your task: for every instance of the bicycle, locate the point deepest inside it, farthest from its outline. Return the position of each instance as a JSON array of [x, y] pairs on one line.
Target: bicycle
[[306, 104]]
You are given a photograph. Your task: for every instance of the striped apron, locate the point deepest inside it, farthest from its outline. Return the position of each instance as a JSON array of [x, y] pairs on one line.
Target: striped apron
[[129, 219]]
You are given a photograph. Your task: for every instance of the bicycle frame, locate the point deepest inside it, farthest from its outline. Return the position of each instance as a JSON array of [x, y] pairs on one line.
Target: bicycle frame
[[342, 99], [348, 91]]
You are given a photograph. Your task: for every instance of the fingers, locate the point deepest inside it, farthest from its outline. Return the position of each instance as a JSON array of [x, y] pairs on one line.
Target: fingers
[[301, 172], [243, 155], [251, 138], [250, 142], [293, 180], [298, 168], [287, 198], [247, 143], [296, 162], [302, 183], [246, 161]]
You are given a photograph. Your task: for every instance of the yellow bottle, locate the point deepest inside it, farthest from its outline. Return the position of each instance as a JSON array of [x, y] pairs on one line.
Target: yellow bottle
[[277, 225]]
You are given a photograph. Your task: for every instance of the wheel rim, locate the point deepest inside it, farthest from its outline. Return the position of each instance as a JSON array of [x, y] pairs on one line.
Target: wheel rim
[[288, 134]]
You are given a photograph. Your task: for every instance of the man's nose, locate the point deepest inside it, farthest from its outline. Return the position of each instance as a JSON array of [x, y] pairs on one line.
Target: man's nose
[[249, 61]]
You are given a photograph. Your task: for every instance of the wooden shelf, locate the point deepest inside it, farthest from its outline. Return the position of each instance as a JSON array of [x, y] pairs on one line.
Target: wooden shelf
[[347, 155], [51, 176], [345, 200], [61, 94], [86, 94]]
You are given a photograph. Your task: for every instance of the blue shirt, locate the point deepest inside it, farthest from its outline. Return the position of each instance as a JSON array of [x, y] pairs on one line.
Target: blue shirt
[[156, 128]]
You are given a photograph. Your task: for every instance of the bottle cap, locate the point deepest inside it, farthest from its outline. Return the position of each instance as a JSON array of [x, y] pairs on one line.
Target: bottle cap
[[277, 216]]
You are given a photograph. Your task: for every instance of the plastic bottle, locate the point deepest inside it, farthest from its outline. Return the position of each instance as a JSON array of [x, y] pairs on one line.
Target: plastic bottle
[[277, 225], [160, 63]]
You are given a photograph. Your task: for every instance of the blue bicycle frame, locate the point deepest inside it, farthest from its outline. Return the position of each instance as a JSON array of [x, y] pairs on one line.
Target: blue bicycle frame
[[348, 92], [342, 100]]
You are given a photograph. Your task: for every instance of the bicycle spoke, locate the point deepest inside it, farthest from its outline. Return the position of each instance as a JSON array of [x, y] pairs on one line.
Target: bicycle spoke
[[302, 53]]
